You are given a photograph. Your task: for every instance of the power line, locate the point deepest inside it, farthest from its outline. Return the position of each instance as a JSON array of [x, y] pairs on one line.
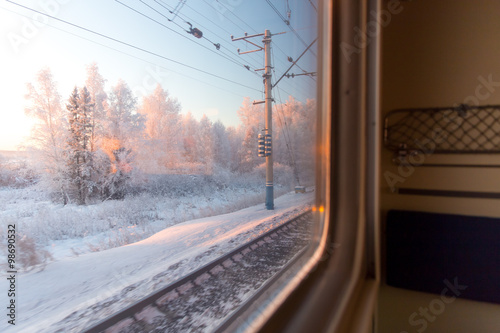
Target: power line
[[222, 28], [163, 25], [316, 9], [191, 30], [245, 23], [276, 45], [162, 4], [178, 8], [286, 136], [255, 31], [314, 41], [288, 24], [278, 12], [225, 16], [133, 46], [234, 23], [289, 83], [236, 16], [125, 53]]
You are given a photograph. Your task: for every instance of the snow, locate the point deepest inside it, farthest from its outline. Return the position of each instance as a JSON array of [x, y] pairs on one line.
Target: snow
[[74, 284]]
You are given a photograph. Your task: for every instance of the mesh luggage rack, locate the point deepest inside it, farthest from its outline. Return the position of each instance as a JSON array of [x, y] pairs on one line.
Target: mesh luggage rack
[[462, 129]]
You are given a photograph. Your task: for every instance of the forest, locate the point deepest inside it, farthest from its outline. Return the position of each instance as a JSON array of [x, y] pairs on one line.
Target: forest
[[102, 169], [97, 144]]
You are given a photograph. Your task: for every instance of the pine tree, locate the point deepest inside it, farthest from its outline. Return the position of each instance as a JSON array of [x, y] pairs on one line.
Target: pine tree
[[80, 154]]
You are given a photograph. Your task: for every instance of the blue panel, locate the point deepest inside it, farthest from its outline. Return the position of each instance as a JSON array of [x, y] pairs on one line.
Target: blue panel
[[425, 249]]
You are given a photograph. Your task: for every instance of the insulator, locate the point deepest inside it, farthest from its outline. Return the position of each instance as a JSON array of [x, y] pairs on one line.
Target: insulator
[[197, 33]]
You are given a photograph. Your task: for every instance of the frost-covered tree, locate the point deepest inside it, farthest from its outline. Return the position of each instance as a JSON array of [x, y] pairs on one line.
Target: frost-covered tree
[[162, 128], [294, 134], [221, 145], [79, 152], [95, 85], [123, 123], [205, 144], [189, 141], [120, 139], [48, 135], [252, 123], [234, 143]]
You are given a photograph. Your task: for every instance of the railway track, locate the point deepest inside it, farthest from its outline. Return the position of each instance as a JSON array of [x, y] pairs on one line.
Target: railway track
[[204, 300]]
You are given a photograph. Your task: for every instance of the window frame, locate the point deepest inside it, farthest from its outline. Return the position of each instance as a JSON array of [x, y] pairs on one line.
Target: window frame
[[335, 289]]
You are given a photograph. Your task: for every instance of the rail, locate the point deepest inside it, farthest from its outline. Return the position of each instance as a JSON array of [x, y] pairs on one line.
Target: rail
[[136, 308]]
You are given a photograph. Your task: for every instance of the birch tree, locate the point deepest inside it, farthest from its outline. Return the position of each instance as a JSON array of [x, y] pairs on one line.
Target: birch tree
[[162, 128], [48, 135]]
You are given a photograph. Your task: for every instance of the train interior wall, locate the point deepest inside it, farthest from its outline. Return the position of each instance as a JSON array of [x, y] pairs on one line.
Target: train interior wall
[[438, 54]]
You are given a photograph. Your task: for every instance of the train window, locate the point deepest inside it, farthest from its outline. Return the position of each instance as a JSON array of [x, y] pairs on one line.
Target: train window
[[175, 165], [141, 166]]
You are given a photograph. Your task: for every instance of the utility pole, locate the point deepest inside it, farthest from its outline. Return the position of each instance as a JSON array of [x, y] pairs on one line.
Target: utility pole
[[269, 119], [268, 109]]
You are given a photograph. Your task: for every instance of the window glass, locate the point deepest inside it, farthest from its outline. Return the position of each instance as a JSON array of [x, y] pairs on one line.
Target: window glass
[[142, 141]]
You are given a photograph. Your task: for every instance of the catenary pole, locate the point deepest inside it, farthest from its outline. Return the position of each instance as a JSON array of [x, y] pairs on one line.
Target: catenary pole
[[268, 108], [269, 119]]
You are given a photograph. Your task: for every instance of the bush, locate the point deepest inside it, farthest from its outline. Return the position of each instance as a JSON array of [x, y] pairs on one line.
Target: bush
[[30, 255], [17, 175]]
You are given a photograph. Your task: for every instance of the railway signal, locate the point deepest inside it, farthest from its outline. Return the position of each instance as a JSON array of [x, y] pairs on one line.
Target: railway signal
[[265, 145], [262, 146]]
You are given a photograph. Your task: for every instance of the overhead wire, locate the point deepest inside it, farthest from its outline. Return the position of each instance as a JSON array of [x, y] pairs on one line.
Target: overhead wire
[[217, 45], [178, 8], [133, 46], [232, 12], [222, 13], [125, 53], [316, 9], [286, 131], [294, 64], [193, 9], [245, 23], [288, 24], [234, 23], [184, 36], [286, 134], [211, 20], [224, 55], [164, 5]]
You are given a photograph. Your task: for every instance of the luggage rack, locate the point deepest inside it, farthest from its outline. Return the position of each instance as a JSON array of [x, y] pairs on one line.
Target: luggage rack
[[462, 129]]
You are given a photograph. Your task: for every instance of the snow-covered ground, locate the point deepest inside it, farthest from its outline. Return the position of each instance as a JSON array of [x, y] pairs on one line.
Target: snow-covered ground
[[157, 203], [73, 284]]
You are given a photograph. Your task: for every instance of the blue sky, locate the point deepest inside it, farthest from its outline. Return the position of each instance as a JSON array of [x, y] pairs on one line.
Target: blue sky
[[30, 42]]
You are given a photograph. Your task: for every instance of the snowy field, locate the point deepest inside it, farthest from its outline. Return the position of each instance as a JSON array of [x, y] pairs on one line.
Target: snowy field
[[80, 271], [55, 231]]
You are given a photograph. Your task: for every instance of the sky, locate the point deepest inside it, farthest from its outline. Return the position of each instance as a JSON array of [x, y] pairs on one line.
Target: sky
[[144, 48]]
